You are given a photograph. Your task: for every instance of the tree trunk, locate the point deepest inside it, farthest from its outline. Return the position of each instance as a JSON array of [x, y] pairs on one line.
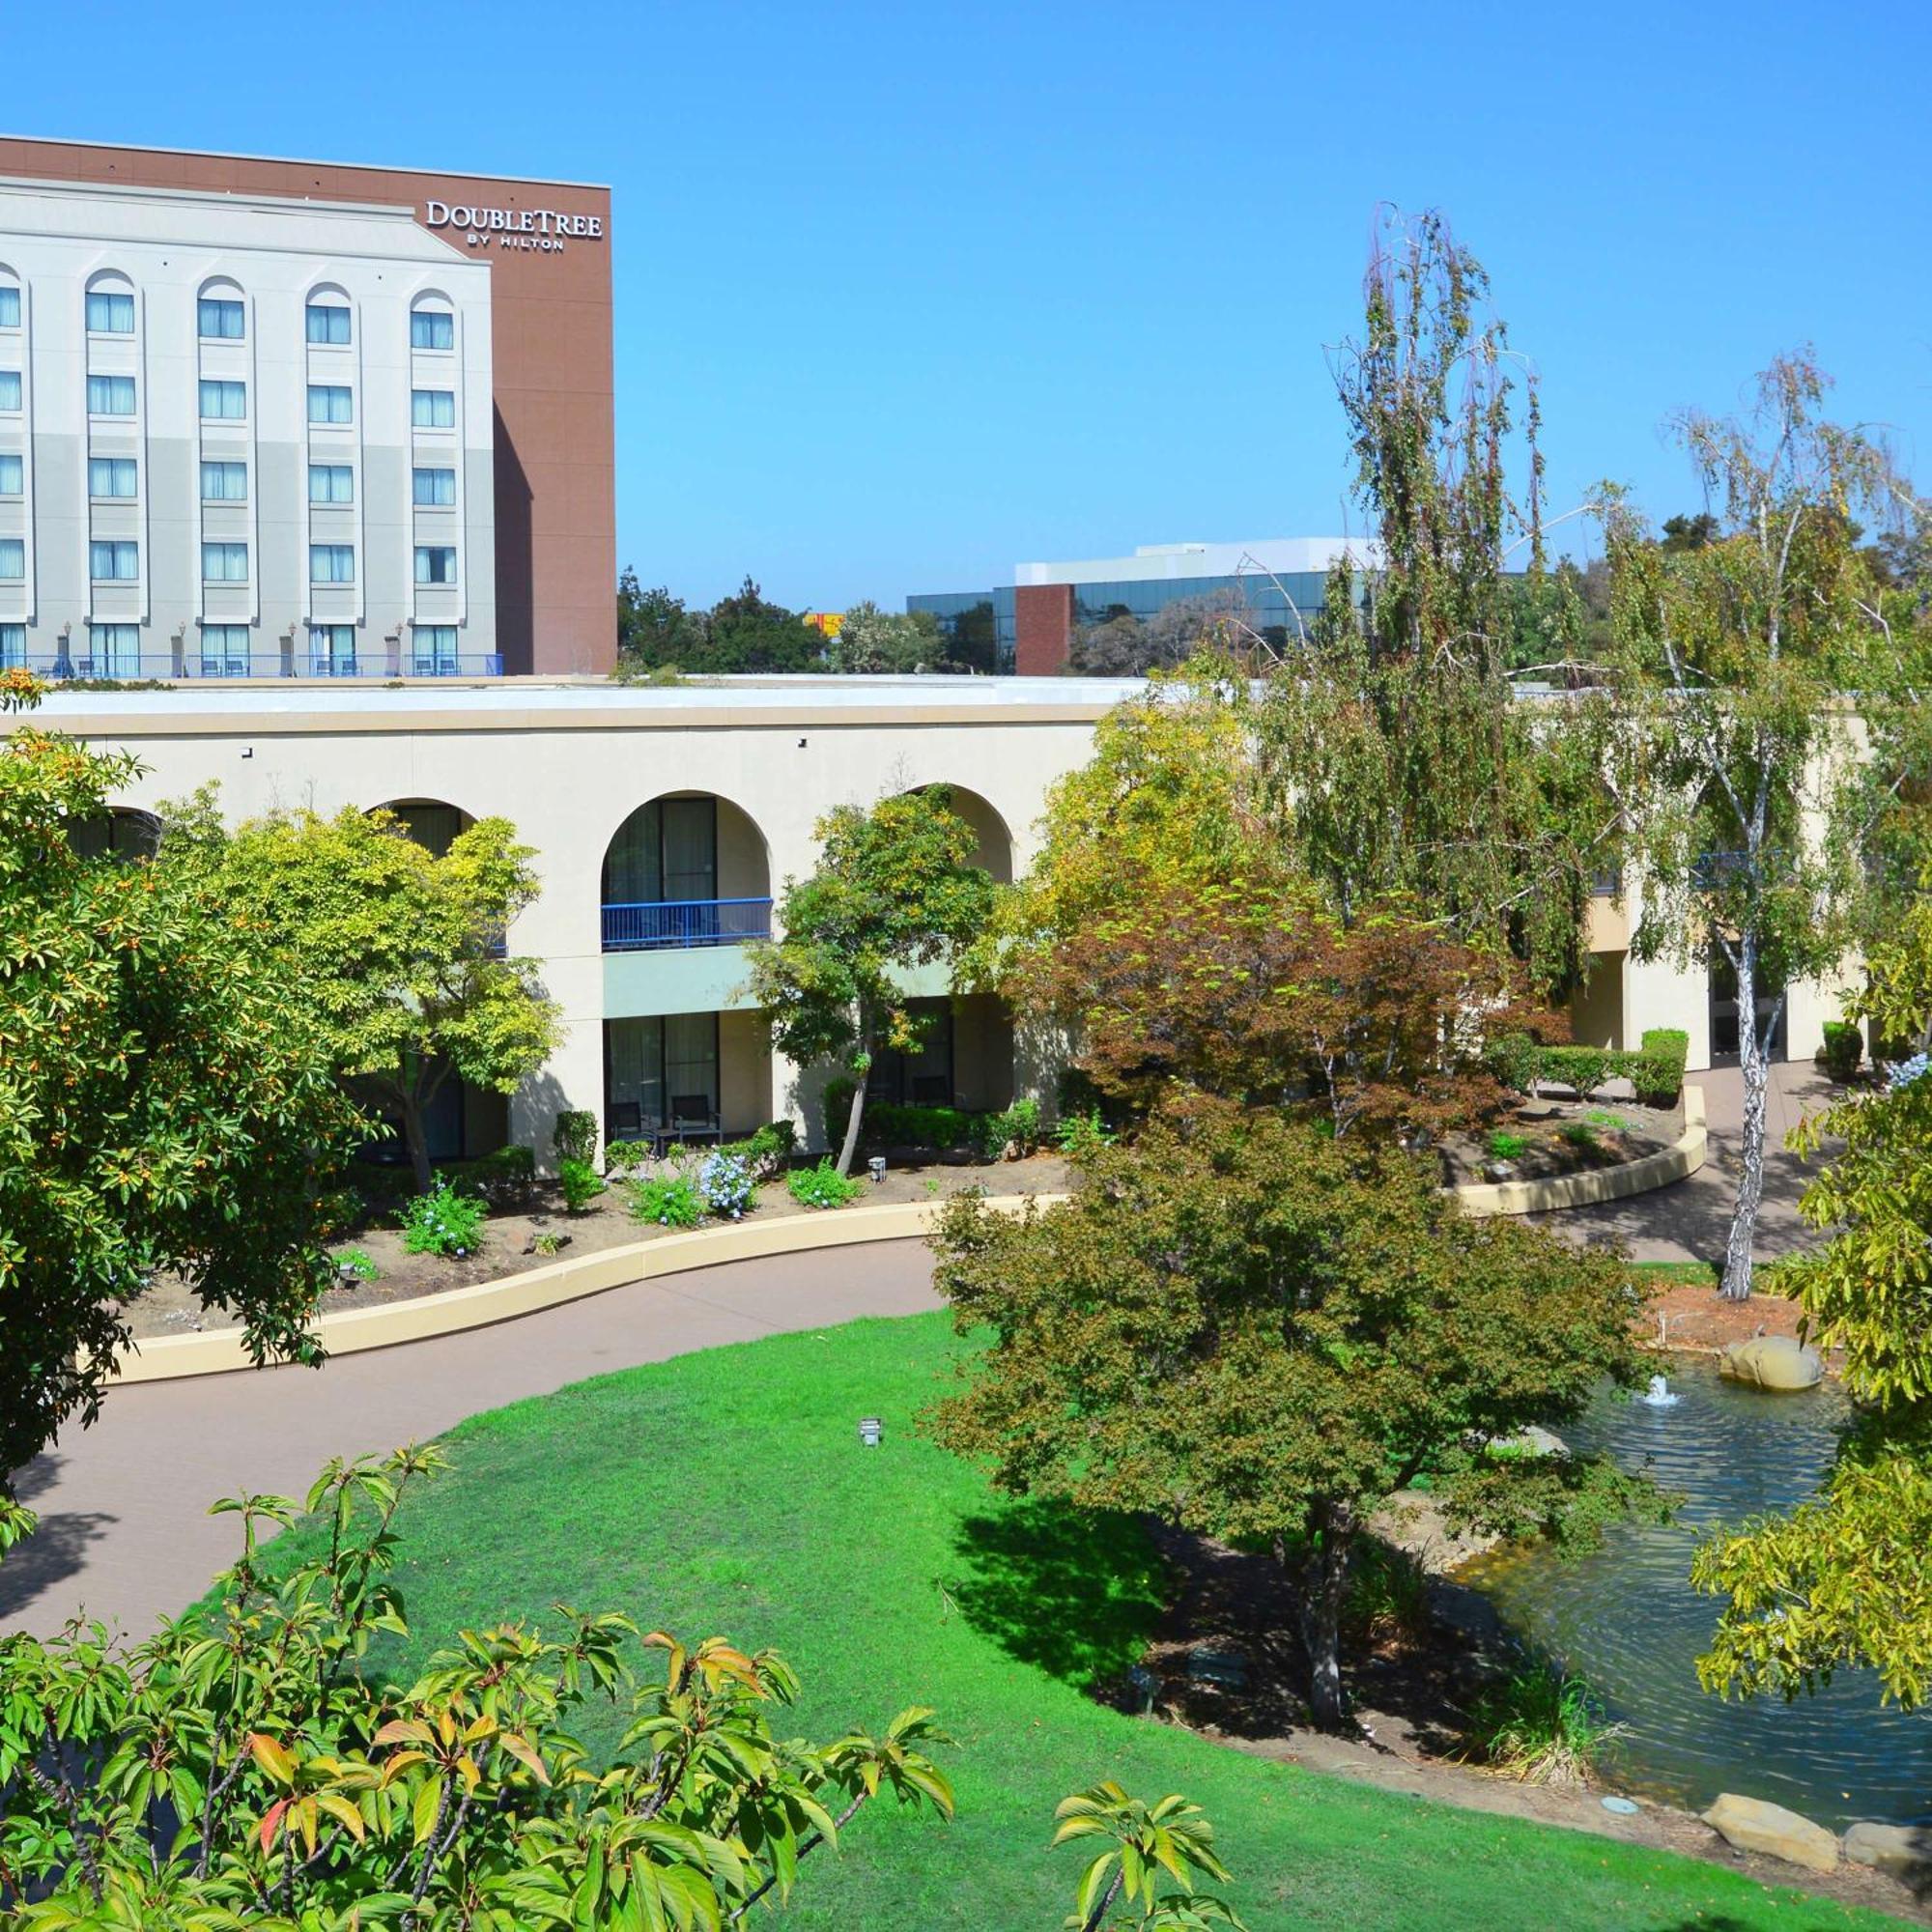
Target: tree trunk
[[852, 1121], [417, 1144], [1322, 1579], [1737, 1244]]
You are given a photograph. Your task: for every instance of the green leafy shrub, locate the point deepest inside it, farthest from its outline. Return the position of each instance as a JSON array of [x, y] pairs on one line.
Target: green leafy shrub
[[1540, 1726], [1582, 1136], [1601, 1117], [1844, 1047], [1506, 1146], [442, 1222], [1515, 1061], [1582, 1068], [579, 1181], [887, 1123], [1658, 1068], [355, 1261], [766, 1152], [575, 1136], [1387, 1593], [670, 1200], [547, 1243], [822, 1186], [621, 1157], [990, 1135], [1081, 1135]]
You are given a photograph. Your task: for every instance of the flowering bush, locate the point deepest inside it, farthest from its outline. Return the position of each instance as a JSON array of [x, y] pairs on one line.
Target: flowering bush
[[442, 1221], [724, 1181], [821, 1186], [671, 1200], [1908, 1071]]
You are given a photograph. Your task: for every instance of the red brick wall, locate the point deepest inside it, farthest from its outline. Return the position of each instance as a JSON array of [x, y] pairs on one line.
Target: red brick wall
[[1043, 627]]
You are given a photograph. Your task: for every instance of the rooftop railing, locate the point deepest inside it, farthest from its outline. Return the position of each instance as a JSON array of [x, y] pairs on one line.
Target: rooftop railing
[[667, 924]]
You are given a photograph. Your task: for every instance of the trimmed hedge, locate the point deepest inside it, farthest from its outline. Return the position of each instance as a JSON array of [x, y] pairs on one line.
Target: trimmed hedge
[[943, 1129], [503, 1179], [1844, 1047], [1656, 1069]]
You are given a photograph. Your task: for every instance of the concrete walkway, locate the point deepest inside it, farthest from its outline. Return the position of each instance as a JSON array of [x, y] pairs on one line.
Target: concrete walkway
[[1690, 1221], [125, 1534]]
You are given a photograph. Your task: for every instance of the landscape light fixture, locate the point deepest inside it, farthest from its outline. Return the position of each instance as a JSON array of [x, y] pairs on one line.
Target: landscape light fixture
[[871, 1432], [876, 1168]]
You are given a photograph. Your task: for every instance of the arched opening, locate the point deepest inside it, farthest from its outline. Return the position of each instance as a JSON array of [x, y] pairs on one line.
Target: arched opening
[[109, 303], [994, 851], [432, 322], [433, 823], [122, 834], [686, 868], [327, 316], [221, 311]]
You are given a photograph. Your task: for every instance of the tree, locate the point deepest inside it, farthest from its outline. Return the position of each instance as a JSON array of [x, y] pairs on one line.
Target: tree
[[163, 1104], [400, 953], [1401, 763], [873, 642], [1846, 1580], [896, 889], [745, 633], [249, 1763], [1144, 1847], [654, 629], [1733, 688], [1260, 1333], [1683, 533]]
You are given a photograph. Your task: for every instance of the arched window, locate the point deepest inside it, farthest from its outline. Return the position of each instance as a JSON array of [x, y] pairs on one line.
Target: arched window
[[432, 322], [221, 311], [12, 313], [110, 303], [328, 317]]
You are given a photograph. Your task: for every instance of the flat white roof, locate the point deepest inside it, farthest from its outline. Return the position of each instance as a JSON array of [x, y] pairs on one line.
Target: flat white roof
[[1153, 563]]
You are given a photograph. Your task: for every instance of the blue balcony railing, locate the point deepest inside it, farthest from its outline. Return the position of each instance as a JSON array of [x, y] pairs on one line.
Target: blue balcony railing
[[661, 925]]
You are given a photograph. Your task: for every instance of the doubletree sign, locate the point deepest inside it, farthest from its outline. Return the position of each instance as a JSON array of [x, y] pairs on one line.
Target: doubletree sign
[[540, 230]]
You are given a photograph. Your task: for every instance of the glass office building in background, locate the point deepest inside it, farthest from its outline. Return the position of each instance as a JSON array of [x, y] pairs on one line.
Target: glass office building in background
[[1278, 582]]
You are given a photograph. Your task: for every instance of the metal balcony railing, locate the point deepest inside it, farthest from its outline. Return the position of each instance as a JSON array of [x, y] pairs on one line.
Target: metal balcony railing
[[664, 925]]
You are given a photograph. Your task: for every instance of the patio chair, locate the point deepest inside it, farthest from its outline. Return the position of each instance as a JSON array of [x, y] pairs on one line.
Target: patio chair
[[692, 1116]]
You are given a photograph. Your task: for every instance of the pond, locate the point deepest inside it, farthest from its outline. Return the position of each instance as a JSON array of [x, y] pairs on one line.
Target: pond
[[1626, 1618]]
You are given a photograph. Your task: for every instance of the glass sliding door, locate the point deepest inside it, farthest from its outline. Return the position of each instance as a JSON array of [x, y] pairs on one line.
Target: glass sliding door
[[658, 1067]]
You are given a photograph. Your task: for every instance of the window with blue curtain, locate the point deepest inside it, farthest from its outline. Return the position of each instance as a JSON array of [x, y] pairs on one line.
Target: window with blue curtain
[[224, 563], [224, 482], [116, 649], [224, 650], [435, 489], [330, 403], [111, 476], [223, 402], [221, 319], [12, 646], [431, 328], [433, 649], [331, 483], [9, 307], [12, 476], [329, 323], [12, 559], [9, 389], [109, 396], [110, 314], [113, 560], [331, 563], [436, 563], [432, 409], [333, 650]]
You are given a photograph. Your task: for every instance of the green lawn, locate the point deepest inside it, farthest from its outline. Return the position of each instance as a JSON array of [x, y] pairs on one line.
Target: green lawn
[[725, 1492]]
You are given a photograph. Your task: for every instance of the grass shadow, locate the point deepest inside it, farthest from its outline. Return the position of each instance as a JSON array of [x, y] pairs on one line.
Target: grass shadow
[[1077, 1592]]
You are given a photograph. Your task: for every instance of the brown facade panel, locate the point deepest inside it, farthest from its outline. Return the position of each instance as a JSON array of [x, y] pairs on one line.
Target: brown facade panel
[[552, 357], [1043, 627]]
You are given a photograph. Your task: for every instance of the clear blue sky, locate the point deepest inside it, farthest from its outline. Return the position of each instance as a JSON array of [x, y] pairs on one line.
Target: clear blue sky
[[907, 293]]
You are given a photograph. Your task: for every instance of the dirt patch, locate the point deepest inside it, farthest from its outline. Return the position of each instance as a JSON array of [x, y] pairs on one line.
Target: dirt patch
[[1224, 1664], [505, 1246], [1540, 1139], [1692, 1317]]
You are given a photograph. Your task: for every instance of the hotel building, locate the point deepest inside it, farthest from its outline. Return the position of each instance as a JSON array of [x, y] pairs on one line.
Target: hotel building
[[286, 419]]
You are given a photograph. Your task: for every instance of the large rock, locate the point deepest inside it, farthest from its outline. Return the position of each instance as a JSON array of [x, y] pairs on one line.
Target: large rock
[[1753, 1826], [1773, 1362], [1903, 1851]]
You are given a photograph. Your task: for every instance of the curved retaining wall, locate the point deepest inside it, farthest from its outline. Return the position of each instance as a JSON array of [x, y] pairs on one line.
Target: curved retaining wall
[[163, 1358]]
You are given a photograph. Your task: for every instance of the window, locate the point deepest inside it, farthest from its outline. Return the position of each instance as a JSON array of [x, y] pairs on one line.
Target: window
[[224, 563], [9, 307], [221, 319], [663, 1067], [109, 395], [331, 483], [333, 650], [224, 482], [328, 322], [431, 328], [330, 403], [116, 560], [434, 650], [223, 402], [331, 563], [12, 646], [432, 409], [12, 476], [224, 650], [9, 389], [436, 563], [110, 314], [111, 476], [435, 489], [116, 649], [12, 559]]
